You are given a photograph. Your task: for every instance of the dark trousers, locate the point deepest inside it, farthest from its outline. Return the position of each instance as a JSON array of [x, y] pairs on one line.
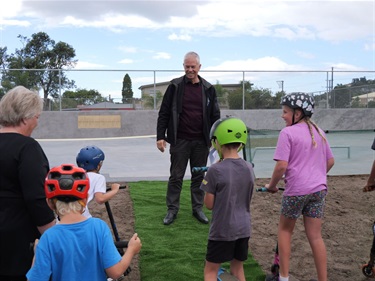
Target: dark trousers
[[184, 151]]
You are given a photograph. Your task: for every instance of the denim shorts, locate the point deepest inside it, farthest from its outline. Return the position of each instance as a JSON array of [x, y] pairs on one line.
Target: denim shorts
[[310, 205]]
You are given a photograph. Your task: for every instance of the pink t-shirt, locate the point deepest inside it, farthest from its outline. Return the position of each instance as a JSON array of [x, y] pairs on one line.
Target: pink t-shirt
[[307, 165]]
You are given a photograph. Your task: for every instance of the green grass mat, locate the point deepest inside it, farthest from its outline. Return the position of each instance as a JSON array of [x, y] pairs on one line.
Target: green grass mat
[[175, 252]]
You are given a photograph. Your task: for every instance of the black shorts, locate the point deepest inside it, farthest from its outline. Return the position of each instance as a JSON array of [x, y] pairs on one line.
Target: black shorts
[[223, 251]]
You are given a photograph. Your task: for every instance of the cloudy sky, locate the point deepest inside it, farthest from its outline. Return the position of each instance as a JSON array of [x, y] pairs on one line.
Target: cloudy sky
[[139, 37]]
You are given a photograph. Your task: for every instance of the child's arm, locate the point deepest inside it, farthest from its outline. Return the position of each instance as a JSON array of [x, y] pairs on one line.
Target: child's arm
[[35, 244], [118, 269], [209, 200], [101, 198], [330, 164], [370, 186], [278, 173]]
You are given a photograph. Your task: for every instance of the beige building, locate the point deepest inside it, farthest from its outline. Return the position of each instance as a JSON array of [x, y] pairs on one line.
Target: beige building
[[365, 98]]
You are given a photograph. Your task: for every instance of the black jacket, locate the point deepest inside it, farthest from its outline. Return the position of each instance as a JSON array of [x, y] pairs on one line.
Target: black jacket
[[171, 108]]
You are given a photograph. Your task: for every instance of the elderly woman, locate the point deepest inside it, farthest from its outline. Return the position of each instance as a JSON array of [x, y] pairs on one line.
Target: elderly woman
[[24, 213]]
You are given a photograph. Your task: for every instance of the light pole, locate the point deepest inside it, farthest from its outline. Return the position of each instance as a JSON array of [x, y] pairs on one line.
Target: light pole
[[281, 85]]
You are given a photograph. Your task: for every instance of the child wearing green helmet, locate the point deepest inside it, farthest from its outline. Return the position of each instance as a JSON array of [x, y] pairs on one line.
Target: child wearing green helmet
[[228, 186]]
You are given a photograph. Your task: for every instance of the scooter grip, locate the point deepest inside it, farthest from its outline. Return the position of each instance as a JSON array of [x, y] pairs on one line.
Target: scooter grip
[[121, 244], [199, 169], [264, 189]]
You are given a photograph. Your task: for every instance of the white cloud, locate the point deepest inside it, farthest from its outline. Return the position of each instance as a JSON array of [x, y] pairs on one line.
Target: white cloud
[[88, 65], [126, 61], [22, 23], [305, 55], [329, 20], [181, 37], [345, 67], [369, 47], [264, 63], [128, 49], [161, 55], [10, 10]]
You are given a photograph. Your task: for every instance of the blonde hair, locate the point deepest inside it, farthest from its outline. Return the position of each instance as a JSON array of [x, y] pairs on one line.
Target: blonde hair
[[18, 104], [62, 208], [311, 124]]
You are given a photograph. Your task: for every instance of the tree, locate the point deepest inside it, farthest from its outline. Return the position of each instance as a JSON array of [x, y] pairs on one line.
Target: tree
[[221, 94], [356, 103], [340, 97], [127, 92], [3, 59], [277, 99], [71, 99], [235, 98], [261, 98], [40, 65], [149, 100]]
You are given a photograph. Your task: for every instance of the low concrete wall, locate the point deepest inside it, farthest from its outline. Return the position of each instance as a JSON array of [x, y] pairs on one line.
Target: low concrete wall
[[65, 125]]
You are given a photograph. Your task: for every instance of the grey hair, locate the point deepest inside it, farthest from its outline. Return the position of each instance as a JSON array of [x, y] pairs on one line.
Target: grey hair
[[18, 104], [193, 54]]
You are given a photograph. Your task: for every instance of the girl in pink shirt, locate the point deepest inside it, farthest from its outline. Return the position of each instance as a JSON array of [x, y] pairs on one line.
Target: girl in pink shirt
[[303, 156]]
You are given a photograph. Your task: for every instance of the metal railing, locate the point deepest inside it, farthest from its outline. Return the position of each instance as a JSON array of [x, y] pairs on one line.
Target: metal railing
[[319, 83]]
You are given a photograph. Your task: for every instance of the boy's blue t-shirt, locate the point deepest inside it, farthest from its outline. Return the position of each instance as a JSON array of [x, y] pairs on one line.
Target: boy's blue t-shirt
[[79, 251]]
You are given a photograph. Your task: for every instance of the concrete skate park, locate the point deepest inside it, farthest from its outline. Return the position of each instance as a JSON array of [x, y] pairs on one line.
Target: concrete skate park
[[127, 138]]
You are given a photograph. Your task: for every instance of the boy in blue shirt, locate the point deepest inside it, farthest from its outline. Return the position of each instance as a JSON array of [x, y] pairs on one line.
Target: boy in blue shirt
[[78, 248]]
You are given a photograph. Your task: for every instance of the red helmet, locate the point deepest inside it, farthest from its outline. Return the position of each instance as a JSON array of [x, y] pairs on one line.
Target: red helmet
[[67, 182]]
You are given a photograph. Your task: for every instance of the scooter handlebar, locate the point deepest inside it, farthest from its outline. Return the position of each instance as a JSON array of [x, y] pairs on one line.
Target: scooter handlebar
[[265, 189], [121, 187]]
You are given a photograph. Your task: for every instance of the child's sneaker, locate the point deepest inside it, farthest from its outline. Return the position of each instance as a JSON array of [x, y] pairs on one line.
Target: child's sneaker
[[272, 277], [223, 275]]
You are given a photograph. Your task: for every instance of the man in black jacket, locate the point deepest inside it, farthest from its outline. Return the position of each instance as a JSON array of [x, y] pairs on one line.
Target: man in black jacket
[[188, 110]]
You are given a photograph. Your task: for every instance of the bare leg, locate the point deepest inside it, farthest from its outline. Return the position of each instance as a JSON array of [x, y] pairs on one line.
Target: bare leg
[[313, 227], [211, 270], [236, 269], [285, 233]]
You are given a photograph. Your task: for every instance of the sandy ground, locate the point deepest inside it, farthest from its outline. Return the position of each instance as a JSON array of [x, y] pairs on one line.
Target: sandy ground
[[347, 229]]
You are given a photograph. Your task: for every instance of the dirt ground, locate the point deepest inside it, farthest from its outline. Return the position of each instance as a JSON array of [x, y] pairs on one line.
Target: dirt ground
[[347, 229]]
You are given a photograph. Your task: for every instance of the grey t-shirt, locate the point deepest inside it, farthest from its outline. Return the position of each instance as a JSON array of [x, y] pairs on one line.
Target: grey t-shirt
[[231, 182]]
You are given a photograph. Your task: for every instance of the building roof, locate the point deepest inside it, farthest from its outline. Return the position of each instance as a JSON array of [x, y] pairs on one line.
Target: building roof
[[106, 105], [368, 95]]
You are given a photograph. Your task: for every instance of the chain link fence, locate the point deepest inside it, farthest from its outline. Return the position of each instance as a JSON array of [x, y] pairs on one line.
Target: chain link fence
[[237, 89]]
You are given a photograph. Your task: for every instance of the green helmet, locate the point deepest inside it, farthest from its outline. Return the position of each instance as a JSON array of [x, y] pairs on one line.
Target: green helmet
[[229, 130]]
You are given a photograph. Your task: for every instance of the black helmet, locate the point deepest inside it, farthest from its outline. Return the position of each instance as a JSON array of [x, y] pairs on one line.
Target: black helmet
[[299, 100]]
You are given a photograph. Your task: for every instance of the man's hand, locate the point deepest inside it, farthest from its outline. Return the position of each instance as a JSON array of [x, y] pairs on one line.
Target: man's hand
[[161, 145]]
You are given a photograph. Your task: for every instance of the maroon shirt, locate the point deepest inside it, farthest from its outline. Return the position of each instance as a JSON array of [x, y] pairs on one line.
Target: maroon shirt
[[191, 118]]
